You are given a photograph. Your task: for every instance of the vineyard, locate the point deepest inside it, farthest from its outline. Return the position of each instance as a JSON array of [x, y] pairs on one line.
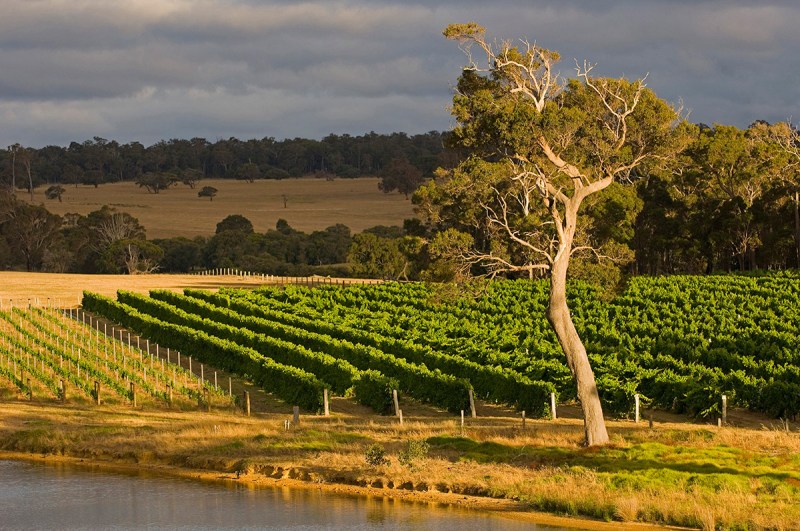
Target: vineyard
[[680, 343], [55, 354]]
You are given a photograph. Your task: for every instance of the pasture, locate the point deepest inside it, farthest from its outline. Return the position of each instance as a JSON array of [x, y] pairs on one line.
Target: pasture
[[311, 204]]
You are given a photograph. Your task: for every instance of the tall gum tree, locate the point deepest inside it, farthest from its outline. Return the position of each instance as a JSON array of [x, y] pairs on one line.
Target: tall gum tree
[[541, 145], [786, 138]]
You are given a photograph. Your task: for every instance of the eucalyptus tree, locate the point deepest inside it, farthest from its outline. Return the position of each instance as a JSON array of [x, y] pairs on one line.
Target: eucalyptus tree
[[786, 138], [541, 145], [735, 168]]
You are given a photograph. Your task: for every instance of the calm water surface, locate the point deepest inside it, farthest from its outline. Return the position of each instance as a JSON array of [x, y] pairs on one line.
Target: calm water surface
[[45, 496]]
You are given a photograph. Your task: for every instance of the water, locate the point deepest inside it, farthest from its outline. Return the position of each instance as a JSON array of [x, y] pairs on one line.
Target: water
[[39, 496]]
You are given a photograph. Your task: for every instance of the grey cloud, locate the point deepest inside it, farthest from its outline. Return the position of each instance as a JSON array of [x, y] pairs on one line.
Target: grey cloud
[[153, 69]]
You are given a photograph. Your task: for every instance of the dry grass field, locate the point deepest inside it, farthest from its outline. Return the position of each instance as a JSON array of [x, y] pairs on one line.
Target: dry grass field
[[66, 290], [311, 204]]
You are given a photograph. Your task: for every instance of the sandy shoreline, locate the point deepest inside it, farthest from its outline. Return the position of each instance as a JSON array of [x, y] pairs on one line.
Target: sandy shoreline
[[505, 508]]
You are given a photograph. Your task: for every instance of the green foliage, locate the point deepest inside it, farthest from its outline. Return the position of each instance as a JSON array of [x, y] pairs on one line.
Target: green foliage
[[678, 342], [289, 383], [375, 455], [414, 451], [489, 382], [208, 191], [55, 192], [235, 223]]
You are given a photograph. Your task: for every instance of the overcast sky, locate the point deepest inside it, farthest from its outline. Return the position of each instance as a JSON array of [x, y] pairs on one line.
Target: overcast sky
[[147, 70]]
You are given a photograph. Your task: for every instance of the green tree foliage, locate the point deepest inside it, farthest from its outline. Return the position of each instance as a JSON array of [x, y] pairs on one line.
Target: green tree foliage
[[155, 182], [208, 191], [400, 175], [131, 257], [99, 161], [540, 148], [29, 231], [235, 223], [248, 172], [180, 255], [373, 256], [55, 192]]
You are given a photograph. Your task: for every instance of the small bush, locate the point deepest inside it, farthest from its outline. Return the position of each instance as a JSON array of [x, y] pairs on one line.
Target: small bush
[[415, 450], [376, 455]]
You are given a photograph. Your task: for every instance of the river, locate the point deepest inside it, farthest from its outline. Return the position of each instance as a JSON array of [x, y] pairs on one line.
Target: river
[[49, 496]]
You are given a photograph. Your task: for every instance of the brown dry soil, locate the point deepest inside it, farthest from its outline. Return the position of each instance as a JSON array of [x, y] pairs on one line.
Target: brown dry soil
[[311, 204]]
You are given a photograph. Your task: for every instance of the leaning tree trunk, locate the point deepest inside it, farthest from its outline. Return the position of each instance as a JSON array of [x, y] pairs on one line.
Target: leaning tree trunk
[[578, 361], [797, 225]]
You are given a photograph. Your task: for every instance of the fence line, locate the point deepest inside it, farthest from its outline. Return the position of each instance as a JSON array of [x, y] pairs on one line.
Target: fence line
[[312, 280]]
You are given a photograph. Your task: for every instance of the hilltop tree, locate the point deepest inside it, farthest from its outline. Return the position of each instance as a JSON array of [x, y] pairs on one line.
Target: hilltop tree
[[190, 177], [541, 146]]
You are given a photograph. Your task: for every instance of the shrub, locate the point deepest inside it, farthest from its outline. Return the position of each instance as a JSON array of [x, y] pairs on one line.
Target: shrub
[[376, 455], [415, 450]]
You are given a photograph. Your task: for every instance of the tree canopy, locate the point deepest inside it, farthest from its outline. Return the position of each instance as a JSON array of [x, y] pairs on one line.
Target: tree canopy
[[540, 147]]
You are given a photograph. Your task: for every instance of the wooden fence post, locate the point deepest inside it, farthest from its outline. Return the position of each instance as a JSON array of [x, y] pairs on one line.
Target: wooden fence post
[[724, 410], [325, 402], [396, 403], [247, 402], [296, 415], [553, 405], [472, 404], [636, 398]]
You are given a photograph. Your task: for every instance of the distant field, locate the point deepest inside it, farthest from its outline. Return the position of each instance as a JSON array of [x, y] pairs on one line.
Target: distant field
[[311, 204], [66, 290]]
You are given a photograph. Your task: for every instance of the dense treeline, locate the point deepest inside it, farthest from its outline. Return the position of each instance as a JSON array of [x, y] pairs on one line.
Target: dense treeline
[[99, 161], [731, 202]]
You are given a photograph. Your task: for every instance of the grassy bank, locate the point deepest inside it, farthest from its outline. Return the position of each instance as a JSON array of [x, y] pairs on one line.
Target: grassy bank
[[674, 474]]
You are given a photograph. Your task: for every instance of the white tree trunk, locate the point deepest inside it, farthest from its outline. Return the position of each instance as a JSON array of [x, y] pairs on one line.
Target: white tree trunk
[[558, 315]]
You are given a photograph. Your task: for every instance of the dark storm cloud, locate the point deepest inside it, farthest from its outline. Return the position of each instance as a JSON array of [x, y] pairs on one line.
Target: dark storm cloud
[[153, 69]]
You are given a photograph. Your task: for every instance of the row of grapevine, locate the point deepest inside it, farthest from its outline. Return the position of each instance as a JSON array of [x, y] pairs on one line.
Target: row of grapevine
[[340, 376], [42, 349], [293, 385], [416, 380], [490, 382], [680, 342]]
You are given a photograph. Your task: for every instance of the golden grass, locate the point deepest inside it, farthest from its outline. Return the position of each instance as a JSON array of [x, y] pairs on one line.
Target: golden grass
[[311, 204], [331, 451], [67, 289]]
